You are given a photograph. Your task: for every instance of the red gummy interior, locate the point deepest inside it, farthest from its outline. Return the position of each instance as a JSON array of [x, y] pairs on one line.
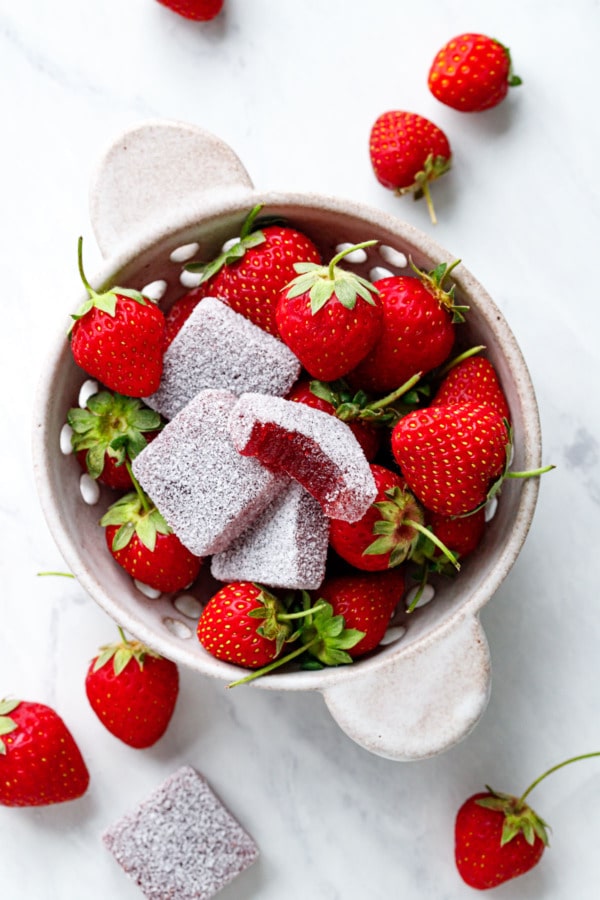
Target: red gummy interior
[[295, 454]]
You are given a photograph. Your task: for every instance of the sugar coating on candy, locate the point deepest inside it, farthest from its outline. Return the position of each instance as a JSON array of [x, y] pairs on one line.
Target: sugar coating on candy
[[203, 488], [219, 348], [317, 449], [286, 546], [181, 842]]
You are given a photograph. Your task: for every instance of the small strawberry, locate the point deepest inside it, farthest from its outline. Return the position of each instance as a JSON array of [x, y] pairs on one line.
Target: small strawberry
[[251, 271], [471, 73], [142, 543], [472, 379], [417, 332], [407, 153], [333, 399], [108, 433], [329, 317], [40, 763], [244, 624], [366, 603], [499, 837], [118, 337], [450, 455], [133, 691], [197, 10], [389, 531]]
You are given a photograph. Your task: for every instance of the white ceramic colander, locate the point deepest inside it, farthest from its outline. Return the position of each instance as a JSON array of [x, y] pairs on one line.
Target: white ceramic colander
[[164, 193]]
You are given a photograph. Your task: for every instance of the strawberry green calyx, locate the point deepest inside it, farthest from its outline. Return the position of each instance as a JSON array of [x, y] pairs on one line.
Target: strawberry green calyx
[[105, 301], [519, 817], [433, 168], [434, 282], [121, 653], [276, 624], [136, 516], [513, 80], [323, 636], [323, 282], [7, 725], [401, 529], [111, 424], [250, 236]]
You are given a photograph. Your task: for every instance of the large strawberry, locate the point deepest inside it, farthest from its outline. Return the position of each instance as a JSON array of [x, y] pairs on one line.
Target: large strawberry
[[451, 455], [244, 624], [40, 763], [251, 271], [329, 317], [331, 398], [388, 532], [117, 336], [133, 691], [460, 534], [142, 543], [108, 433], [471, 73], [366, 603], [417, 332], [196, 10], [179, 313], [498, 836], [408, 152], [472, 379]]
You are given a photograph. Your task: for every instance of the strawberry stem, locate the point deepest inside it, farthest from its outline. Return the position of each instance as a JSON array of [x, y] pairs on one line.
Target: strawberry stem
[[399, 392], [473, 351], [82, 275], [427, 195], [336, 259], [62, 574], [302, 613], [275, 664], [434, 539], [530, 474], [566, 762], [142, 496]]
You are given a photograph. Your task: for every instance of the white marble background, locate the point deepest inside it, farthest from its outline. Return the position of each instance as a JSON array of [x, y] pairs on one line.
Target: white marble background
[[294, 88]]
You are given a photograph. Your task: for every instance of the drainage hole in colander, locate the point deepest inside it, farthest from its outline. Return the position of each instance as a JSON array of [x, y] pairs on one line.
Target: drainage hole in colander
[[177, 627], [155, 291], [183, 253], [190, 279], [379, 272], [356, 256], [188, 606], [393, 257]]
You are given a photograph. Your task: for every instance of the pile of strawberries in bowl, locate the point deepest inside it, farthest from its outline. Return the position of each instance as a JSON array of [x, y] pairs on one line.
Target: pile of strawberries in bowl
[[388, 349]]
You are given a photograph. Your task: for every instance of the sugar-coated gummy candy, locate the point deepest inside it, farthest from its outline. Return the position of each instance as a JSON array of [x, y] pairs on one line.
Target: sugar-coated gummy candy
[[316, 449], [206, 491], [181, 842], [219, 348], [285, 547]]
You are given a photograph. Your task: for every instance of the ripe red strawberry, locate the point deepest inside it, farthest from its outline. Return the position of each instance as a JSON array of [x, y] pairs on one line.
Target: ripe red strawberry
[[325, 397], [388, 532], [108, 433], [471, 73], [461, 535], [407, 153], [253, 270], [366, 603], [133, 691], [243, 624], [142, 543], [329, 317], [498, 836], [118, 337], [451, 455], [197, 10], [473, 379], [40, 763], [418, 329]]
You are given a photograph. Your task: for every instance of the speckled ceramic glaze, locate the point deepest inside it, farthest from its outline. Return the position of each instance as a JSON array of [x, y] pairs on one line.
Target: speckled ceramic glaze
[[161, 187]]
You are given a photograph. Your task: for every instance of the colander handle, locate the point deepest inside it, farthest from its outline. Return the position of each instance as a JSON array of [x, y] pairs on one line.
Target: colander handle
[[154, 169], [421, 703]]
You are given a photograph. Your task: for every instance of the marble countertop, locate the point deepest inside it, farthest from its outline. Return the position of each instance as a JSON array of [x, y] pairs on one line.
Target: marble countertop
[[294, 89]]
